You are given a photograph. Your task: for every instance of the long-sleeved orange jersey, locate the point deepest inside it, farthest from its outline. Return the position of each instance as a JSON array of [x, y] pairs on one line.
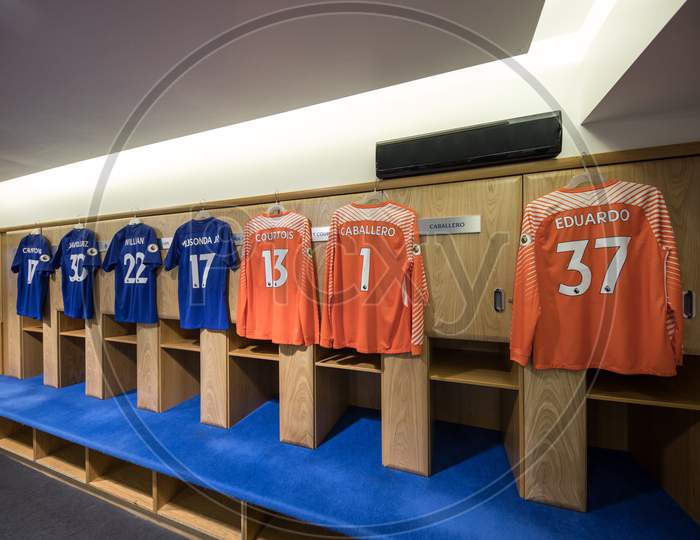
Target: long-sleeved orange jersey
[[375, 282], [598, 282], [277, 298]]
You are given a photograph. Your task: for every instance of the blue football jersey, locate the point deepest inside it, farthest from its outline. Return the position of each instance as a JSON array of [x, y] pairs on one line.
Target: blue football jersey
[[135, 254], [32, 264], [78, 257], [204, 251]]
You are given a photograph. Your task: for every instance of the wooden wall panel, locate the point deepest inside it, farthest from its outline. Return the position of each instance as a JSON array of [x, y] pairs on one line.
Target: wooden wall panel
[[554, 420], [466, 404], [679, 181], [94, 349], [11, 323], [406, 422], [51, 370], [463, 270], [296, 387], [608, 425]]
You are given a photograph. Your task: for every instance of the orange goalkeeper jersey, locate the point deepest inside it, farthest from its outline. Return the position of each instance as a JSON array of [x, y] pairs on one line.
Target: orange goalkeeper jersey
[[277, 298], [375, 283], [597, 282]]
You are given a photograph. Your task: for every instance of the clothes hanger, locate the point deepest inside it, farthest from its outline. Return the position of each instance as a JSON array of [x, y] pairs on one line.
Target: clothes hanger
[[36, 230], [373, 197], [277, 208], [134, 220], [202, 213], [588, 176], [79, 225]]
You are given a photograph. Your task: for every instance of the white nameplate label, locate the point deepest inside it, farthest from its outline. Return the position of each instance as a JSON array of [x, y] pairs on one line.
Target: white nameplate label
[[320, 234], [450, 225], [167, 241]]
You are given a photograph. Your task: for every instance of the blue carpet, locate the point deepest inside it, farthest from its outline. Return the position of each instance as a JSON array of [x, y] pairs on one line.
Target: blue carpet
[[342, 485]]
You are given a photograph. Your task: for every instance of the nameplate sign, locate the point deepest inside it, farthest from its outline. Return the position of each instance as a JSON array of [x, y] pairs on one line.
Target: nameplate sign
[[450, 225], [320, 234]]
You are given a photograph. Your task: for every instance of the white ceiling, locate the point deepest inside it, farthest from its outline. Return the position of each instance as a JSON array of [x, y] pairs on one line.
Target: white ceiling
[[664, 78], [74, 70]]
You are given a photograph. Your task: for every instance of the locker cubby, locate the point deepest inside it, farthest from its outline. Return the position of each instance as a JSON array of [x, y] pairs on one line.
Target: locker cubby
[[71, 350], [32, 347], [345, 378], [179, 373], [253, 373], [202, 510], [16, 438], [120, 479], [475, 384], [61, 456], [117, 365]]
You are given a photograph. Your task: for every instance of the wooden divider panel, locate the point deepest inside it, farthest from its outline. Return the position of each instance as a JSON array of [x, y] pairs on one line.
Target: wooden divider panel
[[214, 361], [11, 322], [147, 366], [296, 385], [406, 425]]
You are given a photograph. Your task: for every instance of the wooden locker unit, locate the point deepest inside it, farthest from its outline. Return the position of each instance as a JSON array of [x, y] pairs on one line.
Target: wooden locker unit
[[464, 270], [178, 364], [113, 367], [68, 366]]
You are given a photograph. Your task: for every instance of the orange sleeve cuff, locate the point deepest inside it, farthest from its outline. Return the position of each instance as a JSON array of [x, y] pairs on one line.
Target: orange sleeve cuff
[[519, 357]]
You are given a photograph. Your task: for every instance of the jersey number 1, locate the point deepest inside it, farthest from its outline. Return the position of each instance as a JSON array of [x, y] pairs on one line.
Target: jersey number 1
[[578, 247]]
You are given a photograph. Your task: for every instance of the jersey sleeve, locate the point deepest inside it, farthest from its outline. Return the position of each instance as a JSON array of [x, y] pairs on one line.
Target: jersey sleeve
[[56, 260], [17, 259], [308, 299], [112, 254], [152, 254], [172, 259], [228, 248], [526, 298], [45, 257], [242, 301], [92, 254], [326, 326], [661, 224], [419, 294]]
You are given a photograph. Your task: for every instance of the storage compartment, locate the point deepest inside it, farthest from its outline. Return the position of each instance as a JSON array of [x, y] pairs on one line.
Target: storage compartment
[[345, 378], [71, 350], [473, 363], [59, 455], [118, 367], [120, 479], [251, 348], [16, 438], [179, 377], [32, 347], [202, 510]]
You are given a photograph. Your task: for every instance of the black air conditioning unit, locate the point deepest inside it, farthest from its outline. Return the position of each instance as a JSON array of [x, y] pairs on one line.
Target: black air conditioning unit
[[519, 139]]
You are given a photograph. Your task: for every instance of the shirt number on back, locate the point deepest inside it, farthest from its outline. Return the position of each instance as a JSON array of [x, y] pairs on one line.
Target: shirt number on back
[[31, 269], [78, 272], [280, 255], [364, 277], [578, 247], [132, 261], [195, 260]]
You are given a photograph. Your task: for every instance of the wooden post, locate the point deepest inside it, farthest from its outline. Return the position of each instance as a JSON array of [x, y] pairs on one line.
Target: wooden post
[[214, 383], [406, 412], [297, 392], [555, 441], [147, 360]]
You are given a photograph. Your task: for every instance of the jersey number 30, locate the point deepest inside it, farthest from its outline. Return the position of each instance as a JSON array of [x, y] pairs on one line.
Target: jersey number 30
[[578, 247]]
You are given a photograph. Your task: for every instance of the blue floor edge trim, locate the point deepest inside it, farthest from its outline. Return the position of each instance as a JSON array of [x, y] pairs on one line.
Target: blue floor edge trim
[[342, 484]]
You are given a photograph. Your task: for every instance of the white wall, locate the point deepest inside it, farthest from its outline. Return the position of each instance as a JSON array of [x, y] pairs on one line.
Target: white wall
[[333, 143]]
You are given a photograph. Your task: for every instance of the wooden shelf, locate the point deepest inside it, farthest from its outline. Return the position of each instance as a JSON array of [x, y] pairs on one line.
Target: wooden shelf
[[262, 351], [204, 511], [33, 329], [191, 344], [350, 360], [79, 333], [474, 368], [128, 482], [679, 392], [68, 461], [129, 338], [20, 443]]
